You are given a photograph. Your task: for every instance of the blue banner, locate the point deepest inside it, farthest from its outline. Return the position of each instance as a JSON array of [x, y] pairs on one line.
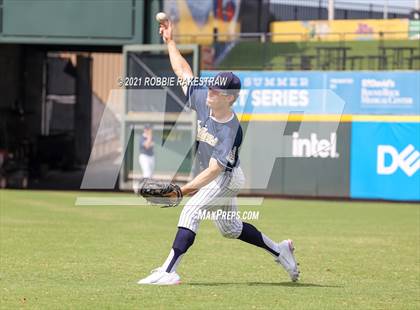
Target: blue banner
[[281, 92], [385, 161]]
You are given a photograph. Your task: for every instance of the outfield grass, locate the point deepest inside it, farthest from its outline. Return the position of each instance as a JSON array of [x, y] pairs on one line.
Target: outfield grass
[[56, 255]]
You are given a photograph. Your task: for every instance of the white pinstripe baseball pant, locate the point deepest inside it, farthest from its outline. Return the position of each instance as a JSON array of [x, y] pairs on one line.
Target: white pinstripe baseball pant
[[220, 194]]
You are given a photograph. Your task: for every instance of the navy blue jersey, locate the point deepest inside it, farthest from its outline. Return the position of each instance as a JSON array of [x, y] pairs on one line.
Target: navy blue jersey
[[217, 140], [143, 150]]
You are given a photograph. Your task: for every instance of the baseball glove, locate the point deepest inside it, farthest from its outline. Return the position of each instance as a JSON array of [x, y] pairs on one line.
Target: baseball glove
[[159, 192]]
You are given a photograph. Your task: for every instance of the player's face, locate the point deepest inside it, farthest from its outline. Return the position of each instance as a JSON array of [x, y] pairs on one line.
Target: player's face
[[217, 99]]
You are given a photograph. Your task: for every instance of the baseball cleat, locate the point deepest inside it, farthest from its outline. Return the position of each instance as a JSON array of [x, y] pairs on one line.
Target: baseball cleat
[[159, 276], [287, 259]]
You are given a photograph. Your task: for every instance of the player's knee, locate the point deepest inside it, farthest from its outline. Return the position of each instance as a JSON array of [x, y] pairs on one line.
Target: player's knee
[[230, 229], [231, 233], [193, 216]]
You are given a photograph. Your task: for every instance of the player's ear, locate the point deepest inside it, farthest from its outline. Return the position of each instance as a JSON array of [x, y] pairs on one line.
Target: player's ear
[[232, 99]]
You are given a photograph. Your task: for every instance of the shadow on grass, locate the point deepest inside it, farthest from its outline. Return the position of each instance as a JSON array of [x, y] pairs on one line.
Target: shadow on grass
[[289, 284]]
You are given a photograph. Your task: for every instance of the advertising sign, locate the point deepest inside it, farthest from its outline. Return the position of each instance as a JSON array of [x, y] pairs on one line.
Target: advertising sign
[[279, 92], [356, 29], [385, 161], [192, 17], [301, 159]]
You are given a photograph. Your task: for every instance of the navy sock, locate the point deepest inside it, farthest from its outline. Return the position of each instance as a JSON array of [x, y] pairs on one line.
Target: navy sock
[[183, 240], [253, 236]]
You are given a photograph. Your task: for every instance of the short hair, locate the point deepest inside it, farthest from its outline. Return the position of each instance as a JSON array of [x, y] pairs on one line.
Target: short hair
[[235, 97]]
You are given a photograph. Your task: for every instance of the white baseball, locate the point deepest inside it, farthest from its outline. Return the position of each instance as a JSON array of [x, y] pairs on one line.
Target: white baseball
[[161, 17]]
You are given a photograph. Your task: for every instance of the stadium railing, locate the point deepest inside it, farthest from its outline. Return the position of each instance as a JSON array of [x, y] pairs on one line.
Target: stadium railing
[[258, 51]]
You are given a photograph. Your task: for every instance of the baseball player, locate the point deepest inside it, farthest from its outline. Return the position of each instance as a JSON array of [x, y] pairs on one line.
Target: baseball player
[[146, 156], [219, 137]]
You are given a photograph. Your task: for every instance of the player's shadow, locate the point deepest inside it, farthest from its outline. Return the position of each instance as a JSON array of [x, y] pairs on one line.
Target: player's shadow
[[289, 284]]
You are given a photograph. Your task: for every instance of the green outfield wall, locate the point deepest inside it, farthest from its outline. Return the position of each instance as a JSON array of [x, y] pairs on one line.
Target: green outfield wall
[[110, 22]]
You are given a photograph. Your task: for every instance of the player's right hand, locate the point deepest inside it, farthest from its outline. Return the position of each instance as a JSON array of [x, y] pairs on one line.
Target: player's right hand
[[165, 30]]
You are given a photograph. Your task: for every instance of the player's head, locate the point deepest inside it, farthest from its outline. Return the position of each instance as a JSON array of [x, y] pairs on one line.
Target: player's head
[[224, 90], [147, 128]]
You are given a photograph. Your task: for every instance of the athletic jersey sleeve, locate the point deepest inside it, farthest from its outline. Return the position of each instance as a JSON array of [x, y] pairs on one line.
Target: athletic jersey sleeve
[[196, 97], [226, 151]]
